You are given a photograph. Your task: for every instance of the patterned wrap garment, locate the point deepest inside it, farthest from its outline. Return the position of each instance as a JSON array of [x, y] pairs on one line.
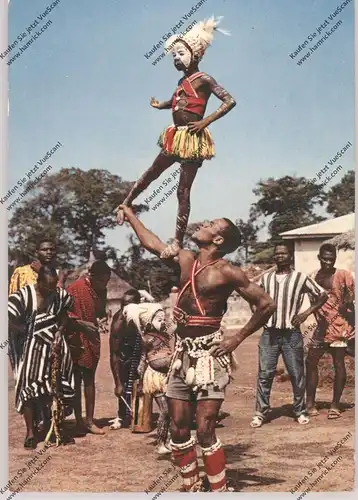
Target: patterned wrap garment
[[87, 306]]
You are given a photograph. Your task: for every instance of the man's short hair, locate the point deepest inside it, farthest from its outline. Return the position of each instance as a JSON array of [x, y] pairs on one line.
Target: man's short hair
[[46, 271], [134, 294], [283, 243], [231, 235], [327, 247], [100, 267], [44, 240]]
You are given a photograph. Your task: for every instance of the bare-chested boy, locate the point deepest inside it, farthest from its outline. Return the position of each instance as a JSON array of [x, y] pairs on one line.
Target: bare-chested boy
[[334, 330], [188, 141], [201, 365]]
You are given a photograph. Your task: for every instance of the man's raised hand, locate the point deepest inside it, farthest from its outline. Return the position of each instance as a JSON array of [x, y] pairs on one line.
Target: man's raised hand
[[122, 211], [154, 102]]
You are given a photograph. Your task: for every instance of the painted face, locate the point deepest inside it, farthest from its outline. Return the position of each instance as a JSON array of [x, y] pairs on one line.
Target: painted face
[[158, 321], [181, 56]]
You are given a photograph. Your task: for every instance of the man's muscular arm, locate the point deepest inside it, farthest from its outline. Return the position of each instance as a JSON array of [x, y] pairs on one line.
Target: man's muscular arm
[[255, 296], [117, 330], [147, 239]]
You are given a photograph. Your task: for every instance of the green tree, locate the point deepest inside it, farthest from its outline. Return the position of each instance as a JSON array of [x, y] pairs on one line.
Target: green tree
[[74, 207], [289, 201], [248, 230], [146, 273], [340, 197]]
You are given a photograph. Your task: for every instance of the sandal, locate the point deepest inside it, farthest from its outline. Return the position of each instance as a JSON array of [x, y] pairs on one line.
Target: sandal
[[257, 421], [313, 412], [303, 419], [116, 423], [333, 414]]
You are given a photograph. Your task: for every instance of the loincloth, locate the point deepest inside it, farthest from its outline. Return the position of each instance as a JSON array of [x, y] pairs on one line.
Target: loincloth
[[195, 366], [187, 146]]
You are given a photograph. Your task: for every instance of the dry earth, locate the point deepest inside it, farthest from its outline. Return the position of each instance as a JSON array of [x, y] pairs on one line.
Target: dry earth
[[271, 459]]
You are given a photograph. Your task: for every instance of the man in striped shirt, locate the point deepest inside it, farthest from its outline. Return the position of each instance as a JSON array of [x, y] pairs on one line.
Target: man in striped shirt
[[282, 333]]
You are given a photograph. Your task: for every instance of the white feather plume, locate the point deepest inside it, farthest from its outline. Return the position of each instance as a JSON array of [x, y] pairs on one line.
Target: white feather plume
[[203, 31], [144, 311]]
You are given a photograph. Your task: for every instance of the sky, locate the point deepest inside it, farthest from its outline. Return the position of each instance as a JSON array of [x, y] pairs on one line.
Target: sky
[[86, 83]]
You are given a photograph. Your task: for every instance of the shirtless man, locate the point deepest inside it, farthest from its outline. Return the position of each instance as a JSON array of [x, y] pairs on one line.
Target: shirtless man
[[125, 352], [201, 364], [334, 330], [188, 141]]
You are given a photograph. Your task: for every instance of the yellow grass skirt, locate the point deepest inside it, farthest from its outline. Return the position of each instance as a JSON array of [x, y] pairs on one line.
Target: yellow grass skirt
[[179, 142], [153, 381]]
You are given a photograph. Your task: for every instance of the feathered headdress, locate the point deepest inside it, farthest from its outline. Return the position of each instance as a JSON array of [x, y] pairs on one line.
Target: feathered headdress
[[141, 314], [199, 37]]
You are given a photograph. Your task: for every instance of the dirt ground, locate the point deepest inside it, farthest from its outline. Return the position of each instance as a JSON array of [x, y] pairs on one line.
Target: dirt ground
[[271, 459]]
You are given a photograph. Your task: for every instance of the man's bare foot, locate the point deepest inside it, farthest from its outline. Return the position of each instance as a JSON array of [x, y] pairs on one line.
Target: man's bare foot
[[93, 429], [30, 442], [312, 411], [171, 250]]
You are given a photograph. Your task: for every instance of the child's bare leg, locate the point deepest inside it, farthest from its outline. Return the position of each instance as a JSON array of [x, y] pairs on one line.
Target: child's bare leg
[[186, 179], [160, 164]]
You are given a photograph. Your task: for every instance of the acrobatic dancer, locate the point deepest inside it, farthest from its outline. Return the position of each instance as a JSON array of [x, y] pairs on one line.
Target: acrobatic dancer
[[201, 365], [188, 141]]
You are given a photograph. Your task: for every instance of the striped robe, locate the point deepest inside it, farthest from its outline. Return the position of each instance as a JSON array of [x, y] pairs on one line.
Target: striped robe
[[30, 352], [130, 374]]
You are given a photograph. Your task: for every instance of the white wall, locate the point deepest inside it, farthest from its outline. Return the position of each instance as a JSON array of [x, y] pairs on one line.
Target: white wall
[[306, 252]]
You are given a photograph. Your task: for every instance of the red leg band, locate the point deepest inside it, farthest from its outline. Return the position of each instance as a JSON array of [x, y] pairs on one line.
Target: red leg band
[[215, 465]]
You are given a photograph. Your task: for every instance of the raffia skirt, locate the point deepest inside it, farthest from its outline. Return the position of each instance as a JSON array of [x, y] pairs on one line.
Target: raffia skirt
[[153, 381], [180, 142]]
